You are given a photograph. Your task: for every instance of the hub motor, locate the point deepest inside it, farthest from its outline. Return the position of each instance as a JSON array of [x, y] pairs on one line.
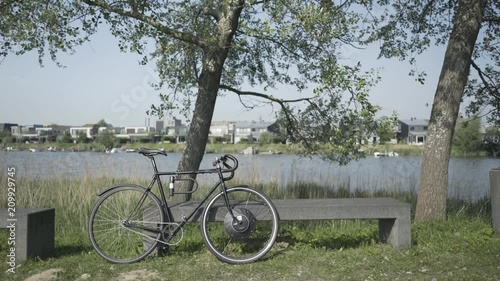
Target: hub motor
[[242, 226]]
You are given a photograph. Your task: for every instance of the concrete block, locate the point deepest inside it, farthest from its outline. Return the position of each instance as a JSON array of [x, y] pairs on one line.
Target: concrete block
[[393, 215], [35, 231], [495, 199]]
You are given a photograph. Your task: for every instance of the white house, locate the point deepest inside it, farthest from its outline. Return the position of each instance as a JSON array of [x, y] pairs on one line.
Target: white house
[[251, 130], [222, 129], [76, 131], [413, 131]]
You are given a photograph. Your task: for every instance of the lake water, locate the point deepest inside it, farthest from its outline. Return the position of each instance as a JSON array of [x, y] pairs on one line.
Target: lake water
[[468, 177]]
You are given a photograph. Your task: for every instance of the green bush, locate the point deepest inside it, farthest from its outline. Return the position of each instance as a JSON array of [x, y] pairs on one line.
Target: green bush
[[243, 141], [122, 140], [221, 140], [169, 139]]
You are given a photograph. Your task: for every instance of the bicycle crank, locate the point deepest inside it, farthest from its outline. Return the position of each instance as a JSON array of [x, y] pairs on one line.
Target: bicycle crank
[[167, 235]]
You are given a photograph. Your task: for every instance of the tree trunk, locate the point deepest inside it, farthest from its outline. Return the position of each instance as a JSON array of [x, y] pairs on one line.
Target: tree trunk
[[433, 190], [199, 129], [208, 87]]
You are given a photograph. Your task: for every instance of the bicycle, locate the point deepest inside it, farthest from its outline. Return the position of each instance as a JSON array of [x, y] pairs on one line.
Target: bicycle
[[238, 224]]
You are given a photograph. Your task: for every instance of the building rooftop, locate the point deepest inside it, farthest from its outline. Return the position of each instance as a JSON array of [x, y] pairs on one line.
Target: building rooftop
[[416, 122], [247, 124]]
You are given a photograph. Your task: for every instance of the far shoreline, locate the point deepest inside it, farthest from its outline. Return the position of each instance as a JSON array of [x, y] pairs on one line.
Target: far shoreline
[[290, 149]]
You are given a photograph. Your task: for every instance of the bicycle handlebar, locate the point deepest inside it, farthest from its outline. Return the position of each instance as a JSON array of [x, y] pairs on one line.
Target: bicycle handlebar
[[223, 160]]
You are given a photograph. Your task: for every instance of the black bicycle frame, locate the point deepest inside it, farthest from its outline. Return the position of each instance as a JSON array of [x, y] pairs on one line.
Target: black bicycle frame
[[166, 209]]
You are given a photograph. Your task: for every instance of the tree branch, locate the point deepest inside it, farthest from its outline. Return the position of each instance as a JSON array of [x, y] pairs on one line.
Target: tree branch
[[274, 41], [493, 89], [212, 12], [258, 2], [292, 129], [492, 20], [281, 102], [182, 36], [426, 8], [270, 98]]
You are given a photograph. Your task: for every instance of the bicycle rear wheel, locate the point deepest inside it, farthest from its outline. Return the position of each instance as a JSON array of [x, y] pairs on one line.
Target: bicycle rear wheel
[[124, 225], [247, 236]]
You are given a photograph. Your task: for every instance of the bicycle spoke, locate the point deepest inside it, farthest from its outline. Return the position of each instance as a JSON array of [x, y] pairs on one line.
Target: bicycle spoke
[[245, 237], [117, 224]]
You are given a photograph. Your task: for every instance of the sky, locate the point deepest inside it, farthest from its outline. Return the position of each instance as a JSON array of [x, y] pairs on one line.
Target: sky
[[100, 82]]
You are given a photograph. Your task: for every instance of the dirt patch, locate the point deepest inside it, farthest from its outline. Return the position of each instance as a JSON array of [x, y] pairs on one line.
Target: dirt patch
[[138, 275], [46, 275]]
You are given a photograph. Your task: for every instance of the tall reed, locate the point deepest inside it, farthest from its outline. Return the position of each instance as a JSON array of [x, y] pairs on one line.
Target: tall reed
[[74, 198]]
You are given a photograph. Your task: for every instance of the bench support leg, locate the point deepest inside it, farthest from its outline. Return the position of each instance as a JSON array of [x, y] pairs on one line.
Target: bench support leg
[[35, 235], [384, 229], [395, 231]]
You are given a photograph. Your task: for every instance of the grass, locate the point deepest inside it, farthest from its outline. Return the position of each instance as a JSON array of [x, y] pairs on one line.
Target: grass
[[74, 198], [458, 249], [462, 248]]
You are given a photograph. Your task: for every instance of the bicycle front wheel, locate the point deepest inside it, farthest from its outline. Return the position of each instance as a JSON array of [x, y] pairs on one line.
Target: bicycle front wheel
[[243, 233], [124, 225]]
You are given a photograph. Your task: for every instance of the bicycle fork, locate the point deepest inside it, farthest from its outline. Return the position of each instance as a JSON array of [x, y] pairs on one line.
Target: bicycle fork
[[236, 221]]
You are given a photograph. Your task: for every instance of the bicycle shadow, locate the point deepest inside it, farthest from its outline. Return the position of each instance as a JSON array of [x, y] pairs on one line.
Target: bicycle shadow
[[71, 250], [289, 243]]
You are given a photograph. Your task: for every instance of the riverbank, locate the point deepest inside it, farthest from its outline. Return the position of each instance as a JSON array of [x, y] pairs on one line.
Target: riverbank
[[291, 149]]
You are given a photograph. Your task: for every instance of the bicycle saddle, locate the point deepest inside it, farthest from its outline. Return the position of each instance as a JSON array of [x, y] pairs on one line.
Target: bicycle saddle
[[151, 152]]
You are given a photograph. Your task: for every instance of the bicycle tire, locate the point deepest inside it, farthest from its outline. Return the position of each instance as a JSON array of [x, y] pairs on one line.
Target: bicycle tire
[[246, 240], [111, 231]]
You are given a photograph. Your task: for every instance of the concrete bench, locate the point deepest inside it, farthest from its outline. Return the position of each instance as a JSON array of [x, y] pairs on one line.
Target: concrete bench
[[34, 231], [393, 216]]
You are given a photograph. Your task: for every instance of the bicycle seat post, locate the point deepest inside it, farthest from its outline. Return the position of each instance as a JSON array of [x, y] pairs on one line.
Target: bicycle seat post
[[153, 162]]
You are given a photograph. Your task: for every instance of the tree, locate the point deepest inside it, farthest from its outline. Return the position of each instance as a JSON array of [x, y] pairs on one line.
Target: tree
[[203, 47], [82, 138], [5, 137], [94, 131], [408, 32], [387, 128], [467, 138], [103, 123], [266, 138], [67, 137], [106, 138], [491, 143]]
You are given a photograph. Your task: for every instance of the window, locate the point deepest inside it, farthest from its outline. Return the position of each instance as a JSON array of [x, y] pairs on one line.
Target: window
[[412, 128], [425, 128]]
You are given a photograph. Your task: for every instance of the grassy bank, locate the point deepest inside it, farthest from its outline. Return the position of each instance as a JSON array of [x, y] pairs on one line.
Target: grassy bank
[[459, 249], [462, 248]]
